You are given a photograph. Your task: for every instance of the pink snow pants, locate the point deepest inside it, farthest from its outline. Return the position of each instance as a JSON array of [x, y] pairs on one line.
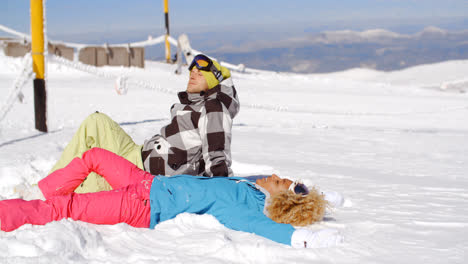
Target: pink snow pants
[[128, 202]]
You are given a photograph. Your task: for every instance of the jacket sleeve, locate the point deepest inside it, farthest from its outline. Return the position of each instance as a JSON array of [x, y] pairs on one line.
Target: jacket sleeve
[[242, 219], [215, 127]]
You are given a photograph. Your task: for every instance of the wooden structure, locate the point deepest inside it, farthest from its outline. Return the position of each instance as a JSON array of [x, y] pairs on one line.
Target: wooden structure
[[92, 55], [113, 56]]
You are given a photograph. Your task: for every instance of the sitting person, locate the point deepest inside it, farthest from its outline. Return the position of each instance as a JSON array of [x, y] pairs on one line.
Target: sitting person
[[197, 141], [268, 207]]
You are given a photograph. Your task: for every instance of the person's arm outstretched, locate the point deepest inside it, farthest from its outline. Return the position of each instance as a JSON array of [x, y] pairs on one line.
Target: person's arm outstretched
[[242, 219]]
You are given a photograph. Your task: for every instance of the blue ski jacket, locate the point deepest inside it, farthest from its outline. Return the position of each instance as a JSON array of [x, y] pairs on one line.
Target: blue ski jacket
[[235, 202]]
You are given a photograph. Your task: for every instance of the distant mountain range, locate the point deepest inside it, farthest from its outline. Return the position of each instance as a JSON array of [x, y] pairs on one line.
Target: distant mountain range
[[308, 49], [331, 51]]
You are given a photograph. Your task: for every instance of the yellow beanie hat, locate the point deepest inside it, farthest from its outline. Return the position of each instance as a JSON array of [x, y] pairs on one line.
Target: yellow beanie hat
[[211, 79]]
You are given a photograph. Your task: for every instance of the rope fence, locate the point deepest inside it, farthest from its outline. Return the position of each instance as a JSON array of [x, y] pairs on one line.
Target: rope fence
[[123, 81], [25, 75]]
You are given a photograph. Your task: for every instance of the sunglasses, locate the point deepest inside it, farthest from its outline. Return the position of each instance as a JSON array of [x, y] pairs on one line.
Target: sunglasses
[[203, 63], [298, 187]]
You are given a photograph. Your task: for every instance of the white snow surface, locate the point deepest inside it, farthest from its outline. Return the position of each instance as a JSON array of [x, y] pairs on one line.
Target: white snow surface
[[393, 144]]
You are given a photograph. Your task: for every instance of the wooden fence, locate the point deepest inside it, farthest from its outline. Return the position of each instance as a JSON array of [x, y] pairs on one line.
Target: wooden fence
[[91, 55]]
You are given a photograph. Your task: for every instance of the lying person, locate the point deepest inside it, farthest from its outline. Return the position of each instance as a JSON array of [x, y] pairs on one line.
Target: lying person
[[268, 207]]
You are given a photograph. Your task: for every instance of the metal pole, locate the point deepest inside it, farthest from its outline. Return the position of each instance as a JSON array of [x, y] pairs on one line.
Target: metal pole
[[166, 18], [37, 51]]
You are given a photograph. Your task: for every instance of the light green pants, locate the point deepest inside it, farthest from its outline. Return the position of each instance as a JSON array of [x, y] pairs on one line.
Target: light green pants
[[98, 130]]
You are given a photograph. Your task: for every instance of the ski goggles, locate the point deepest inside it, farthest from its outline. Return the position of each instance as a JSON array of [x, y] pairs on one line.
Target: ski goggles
[[298, 187], [203, 63]]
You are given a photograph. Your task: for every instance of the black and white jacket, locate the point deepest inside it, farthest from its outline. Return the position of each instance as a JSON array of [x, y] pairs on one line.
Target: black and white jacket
[[198, 139]]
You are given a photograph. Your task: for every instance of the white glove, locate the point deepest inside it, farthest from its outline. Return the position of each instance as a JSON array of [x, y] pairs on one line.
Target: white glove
[[335, 199], [304, 238]]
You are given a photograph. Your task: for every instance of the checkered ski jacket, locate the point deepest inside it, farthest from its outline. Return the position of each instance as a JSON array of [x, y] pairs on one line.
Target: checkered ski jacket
[[198, 139]]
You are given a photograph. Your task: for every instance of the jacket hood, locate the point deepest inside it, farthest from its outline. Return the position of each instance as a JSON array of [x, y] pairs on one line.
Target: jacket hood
[[227, 95]]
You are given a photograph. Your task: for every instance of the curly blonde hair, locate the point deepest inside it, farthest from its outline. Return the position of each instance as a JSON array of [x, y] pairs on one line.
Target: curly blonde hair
[[296, 209]]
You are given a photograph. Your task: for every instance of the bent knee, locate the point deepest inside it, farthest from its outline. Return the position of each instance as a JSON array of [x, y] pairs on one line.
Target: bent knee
[[97, 116], [100, 120]]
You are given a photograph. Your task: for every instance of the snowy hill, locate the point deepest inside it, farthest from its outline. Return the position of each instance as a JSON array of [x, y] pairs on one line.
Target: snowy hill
[[331, 51], [349, 36], [394, 144]]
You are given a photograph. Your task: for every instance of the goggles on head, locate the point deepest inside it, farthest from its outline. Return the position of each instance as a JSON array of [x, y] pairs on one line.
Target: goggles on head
[[298, 187], [203, 63]]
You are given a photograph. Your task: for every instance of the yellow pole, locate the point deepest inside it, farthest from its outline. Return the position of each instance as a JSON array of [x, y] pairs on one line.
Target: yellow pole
[[37, 34], [166, 18], [37, 51]]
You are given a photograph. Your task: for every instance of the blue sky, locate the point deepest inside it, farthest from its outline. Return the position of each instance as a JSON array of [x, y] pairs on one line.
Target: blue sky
[[85, 16]]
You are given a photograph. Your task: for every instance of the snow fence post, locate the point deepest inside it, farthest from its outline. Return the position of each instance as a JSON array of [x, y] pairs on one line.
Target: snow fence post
[[37, 52], [166, 18]]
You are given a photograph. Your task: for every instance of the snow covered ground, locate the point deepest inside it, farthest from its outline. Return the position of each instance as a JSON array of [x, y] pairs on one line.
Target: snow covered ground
[[394, 144]]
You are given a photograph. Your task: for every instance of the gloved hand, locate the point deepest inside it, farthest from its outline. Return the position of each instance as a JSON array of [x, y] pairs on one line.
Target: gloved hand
[[304, 238], [335, 199]]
